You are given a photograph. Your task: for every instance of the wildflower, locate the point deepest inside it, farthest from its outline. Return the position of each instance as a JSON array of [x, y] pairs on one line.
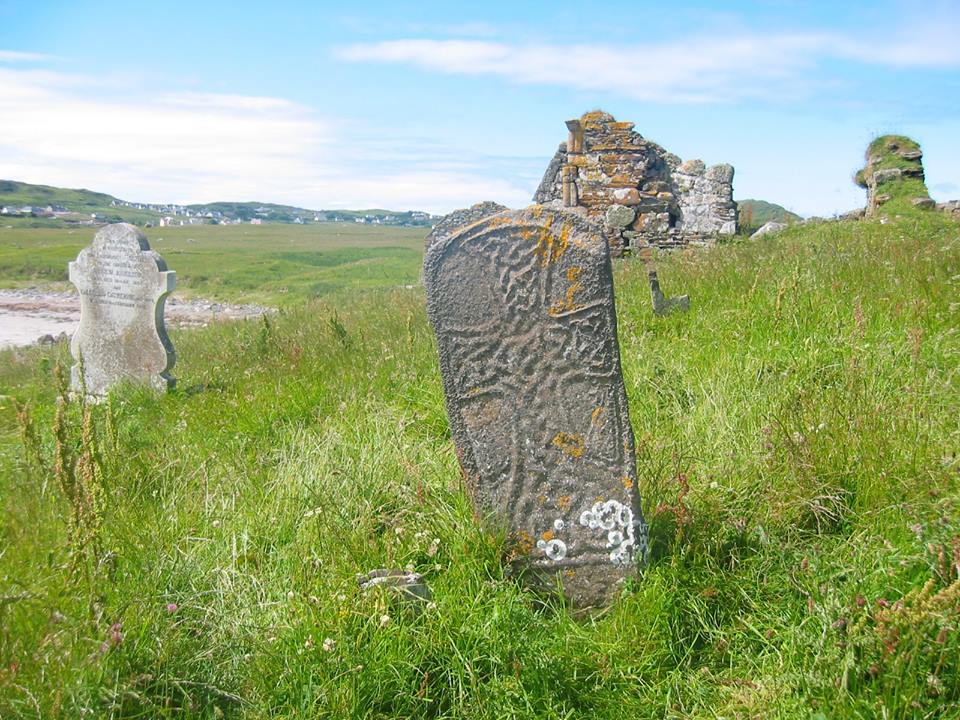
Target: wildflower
[[291, 595], [308, 643], [171, 608], [216, 523], [329, 644], [116, 637], [861, 601], [384, 621], [57, 617], [434, 547]]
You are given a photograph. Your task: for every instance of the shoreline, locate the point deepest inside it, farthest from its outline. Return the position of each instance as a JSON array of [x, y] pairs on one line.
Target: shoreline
[[29, 315]]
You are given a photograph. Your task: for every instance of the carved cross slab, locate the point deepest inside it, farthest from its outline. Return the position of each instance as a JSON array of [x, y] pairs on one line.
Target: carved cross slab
[[123, 285], [522, 307]]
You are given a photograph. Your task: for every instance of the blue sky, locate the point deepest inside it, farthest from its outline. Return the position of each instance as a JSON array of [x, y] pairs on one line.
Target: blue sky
[[436, 105]]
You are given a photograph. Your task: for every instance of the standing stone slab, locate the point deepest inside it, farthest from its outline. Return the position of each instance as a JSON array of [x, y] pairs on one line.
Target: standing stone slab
[[662, 305], [123, 285], [522, 307]]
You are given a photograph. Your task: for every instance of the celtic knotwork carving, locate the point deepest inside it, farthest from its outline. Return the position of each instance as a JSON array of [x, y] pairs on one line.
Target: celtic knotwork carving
[[522, 306]]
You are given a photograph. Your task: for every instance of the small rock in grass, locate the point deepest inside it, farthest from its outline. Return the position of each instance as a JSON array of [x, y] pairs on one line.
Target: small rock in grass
[[768, 229], [408, 587]]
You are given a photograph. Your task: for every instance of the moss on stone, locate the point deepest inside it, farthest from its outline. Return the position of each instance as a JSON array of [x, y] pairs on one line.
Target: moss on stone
[[893, 174]]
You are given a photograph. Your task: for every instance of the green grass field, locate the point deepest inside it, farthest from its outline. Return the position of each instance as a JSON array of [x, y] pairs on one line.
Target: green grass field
[[194, 555], [274, 264]]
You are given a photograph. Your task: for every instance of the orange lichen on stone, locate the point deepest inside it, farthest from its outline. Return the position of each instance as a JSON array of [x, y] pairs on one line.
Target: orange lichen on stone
[[496, 222], [541, 498], [627, 482], [595, 415], [595, 117], [570, 572], [522, 543], [569, 444], [551, 246], [564, 502], [568, 304], [548, 535]]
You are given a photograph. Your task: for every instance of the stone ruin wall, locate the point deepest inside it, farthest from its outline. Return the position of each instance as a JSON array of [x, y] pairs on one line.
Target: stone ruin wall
[[642, 195], [878, 178]]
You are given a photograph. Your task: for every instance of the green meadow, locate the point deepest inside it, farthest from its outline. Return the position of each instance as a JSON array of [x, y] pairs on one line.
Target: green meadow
[[274, 264], [195, 555]]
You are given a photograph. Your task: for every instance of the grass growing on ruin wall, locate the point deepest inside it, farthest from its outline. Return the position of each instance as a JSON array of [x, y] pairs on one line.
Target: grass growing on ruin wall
[[797, 442], [884, 154]]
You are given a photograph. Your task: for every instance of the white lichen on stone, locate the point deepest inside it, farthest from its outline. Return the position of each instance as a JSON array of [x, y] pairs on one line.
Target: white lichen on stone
[[617, 520], [555, 550]]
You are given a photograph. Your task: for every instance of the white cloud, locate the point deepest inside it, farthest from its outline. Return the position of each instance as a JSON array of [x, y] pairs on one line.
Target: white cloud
[[67, 130], [15, 56], [707, 71], [715, 68]]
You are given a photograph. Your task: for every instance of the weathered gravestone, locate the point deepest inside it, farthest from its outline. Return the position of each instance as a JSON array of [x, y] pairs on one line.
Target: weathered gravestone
[[122, 285], [662, 305], [522, 306]]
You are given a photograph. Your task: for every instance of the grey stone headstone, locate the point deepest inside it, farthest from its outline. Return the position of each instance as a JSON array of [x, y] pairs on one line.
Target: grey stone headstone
[[121, 337], [523, 311], [459, 219], [662, 305]]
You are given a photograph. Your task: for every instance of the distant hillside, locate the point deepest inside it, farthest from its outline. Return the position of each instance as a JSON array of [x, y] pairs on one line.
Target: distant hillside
[[45, 205], [271, 212], [754, 213], [53, 205]]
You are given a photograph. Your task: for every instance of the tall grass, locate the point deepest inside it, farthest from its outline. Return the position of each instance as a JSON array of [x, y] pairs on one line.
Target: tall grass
[[797, 448]]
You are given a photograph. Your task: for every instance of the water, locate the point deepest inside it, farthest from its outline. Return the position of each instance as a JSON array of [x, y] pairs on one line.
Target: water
[[18, 328]]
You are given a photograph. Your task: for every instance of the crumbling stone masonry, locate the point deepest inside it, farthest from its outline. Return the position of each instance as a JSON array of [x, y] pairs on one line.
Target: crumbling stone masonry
[[893, 172], [639, 193]]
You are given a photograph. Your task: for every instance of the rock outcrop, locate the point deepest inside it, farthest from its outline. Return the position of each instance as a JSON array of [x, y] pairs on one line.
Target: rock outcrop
[[638, 192], [893, 173], [768, 228], [951, 206]]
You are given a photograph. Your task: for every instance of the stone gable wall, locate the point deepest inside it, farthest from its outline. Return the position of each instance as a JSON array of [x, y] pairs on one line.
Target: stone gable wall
[[641, 194]]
